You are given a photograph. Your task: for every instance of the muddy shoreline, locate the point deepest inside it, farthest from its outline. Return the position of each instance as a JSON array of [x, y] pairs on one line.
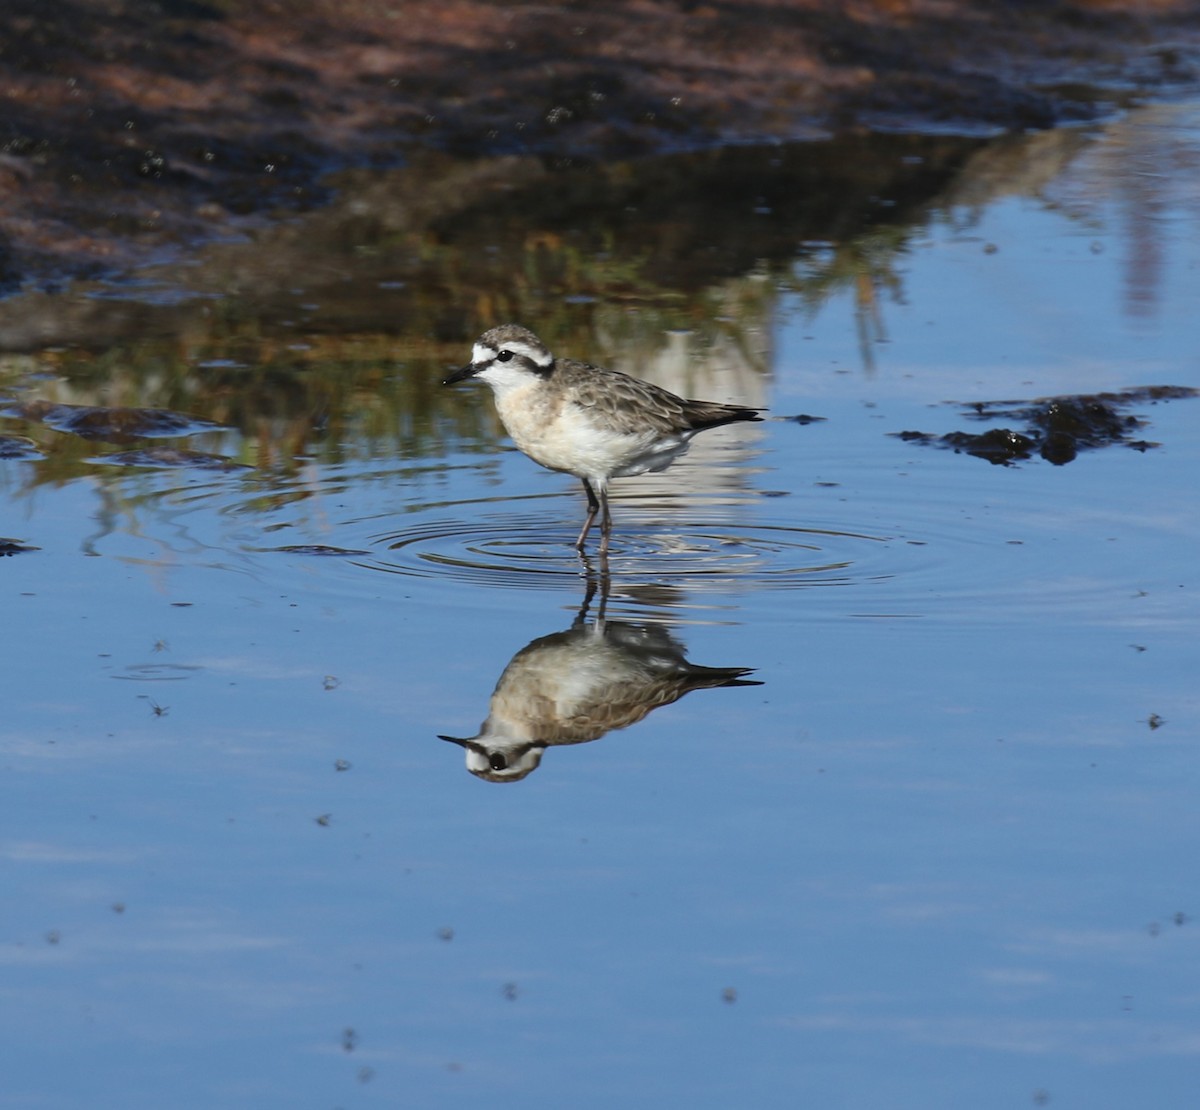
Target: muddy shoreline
[[135, 127]]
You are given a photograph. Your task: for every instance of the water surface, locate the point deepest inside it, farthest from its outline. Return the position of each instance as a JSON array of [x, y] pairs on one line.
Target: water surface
[[942, 855]]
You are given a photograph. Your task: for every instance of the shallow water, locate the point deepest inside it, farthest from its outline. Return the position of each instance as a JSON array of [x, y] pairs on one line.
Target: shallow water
[[943, 855]]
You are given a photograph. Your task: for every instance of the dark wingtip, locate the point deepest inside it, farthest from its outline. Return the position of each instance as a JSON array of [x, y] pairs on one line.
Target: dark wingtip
[[716, 416]]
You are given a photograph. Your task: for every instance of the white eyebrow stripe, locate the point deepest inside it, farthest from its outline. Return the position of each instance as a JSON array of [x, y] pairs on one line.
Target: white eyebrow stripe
[[538, 356], [481, 353]]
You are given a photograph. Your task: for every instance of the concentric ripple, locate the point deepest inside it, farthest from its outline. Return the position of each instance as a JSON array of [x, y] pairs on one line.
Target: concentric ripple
[[528, 551]]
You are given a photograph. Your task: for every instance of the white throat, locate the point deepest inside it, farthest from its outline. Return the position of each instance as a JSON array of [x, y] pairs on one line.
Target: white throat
[[505, 377]]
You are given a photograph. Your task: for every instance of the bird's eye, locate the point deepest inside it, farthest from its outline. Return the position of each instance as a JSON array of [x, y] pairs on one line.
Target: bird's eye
[[504, 356]]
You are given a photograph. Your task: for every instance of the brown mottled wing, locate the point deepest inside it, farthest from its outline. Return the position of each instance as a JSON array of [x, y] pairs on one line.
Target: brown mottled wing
[[629, 405], [625, 703], [619, 402]]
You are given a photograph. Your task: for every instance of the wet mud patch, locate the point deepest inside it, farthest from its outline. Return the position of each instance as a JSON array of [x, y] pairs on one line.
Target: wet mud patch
[[131, 128], [1056, 429]]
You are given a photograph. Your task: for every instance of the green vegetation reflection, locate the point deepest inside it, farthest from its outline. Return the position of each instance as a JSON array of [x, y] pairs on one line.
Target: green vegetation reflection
[[324, 338]]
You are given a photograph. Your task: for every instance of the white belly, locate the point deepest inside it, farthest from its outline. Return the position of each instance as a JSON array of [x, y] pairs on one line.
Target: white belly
[[571, 442], [574, 444]]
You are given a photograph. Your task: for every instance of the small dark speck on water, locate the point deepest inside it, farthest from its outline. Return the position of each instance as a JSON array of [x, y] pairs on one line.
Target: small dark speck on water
[[349, 1039], [1155, 721], [342, 765], [729, 995], [325, 820], [445, 933], [319, 549], [510, 991]]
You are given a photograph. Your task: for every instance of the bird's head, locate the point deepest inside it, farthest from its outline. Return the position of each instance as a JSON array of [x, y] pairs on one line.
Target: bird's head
[[497, 759], [505, 357]]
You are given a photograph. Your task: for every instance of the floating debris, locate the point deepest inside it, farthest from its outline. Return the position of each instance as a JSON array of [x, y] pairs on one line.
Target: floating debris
[[1056, 428], [15, 547]]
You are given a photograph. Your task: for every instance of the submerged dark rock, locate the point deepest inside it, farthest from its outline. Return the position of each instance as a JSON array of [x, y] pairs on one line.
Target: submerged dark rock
[[1001, 445], [165, 457], [1057, 428], [114, 424], [19, 447]]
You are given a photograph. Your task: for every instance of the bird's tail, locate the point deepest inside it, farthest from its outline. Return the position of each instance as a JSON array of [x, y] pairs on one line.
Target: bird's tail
[[710, 414]]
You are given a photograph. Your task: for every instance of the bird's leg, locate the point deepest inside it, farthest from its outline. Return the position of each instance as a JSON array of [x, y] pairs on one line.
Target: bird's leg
[[605, 522], [588, 594], [605, 586], [593, 509], [597, 580]]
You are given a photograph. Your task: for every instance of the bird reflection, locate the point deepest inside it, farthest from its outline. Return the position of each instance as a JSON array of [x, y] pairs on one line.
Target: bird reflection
[[574, 686]]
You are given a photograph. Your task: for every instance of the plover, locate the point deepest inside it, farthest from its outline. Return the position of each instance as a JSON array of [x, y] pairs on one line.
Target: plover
[[587, 420], [574, 686]]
